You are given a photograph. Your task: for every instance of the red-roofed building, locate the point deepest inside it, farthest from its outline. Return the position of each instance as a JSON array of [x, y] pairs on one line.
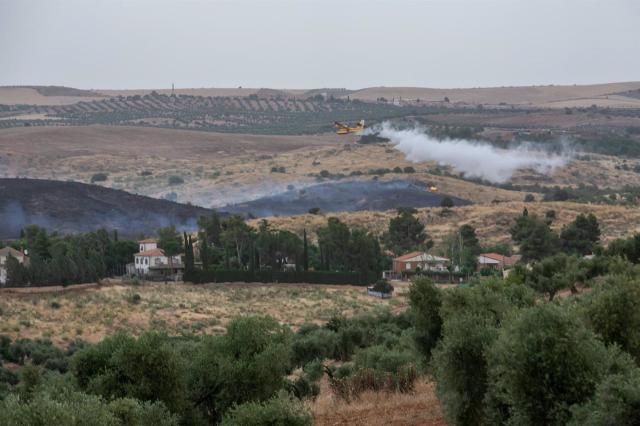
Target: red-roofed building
[[497, 261], [415, 260], [151, 261]]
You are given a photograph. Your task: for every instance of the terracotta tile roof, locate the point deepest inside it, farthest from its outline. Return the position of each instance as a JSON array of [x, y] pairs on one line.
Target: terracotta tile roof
[[408, 256], [148, 241], [506, 260], [152, 252], [420, 256], [10, 250]]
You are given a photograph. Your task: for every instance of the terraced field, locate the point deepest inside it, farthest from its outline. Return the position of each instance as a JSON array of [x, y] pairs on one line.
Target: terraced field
[[249, 114]]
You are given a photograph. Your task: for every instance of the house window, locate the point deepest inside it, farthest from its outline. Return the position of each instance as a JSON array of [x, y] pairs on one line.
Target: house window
[[137, 259], [146, 260]]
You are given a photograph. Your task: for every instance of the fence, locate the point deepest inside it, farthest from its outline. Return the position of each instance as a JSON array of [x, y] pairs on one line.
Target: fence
[[288, 277]]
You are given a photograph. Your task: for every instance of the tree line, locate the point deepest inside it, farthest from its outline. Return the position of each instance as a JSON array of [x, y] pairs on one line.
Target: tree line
[[499, 353], [56, 259]]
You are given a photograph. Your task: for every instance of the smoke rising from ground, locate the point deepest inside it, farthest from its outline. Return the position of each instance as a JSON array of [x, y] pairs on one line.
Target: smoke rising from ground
[[474, 159]]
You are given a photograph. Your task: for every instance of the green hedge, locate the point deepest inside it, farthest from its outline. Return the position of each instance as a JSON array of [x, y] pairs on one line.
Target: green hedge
[[311, 277]]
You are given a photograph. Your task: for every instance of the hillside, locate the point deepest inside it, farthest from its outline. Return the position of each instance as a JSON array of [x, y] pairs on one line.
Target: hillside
[[607, 94], [264, 112], [543, 96], [73, 207], [492, 221], [217, 169]]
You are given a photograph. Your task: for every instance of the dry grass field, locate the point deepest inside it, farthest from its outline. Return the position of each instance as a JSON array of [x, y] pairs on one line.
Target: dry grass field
[[216, 168], [221, 168], [379, 408], [541, 119], [553, 96], [95, 312], [492, 221], [31, 96], [545, 96]]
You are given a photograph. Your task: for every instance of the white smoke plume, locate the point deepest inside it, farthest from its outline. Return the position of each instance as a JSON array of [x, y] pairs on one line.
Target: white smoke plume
[[473, 158]]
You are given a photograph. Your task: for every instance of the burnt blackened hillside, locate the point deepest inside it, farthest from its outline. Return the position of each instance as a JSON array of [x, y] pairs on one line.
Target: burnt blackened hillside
[[69, 207]]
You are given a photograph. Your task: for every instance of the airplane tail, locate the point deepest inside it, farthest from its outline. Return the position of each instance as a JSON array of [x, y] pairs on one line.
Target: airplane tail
[[361, 124]]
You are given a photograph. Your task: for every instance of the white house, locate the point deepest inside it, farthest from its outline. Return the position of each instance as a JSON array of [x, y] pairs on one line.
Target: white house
[[151, 260], [148, 244], [4, 255]]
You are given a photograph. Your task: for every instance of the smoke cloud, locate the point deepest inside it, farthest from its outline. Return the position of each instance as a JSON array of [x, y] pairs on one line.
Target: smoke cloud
[[473, 158]]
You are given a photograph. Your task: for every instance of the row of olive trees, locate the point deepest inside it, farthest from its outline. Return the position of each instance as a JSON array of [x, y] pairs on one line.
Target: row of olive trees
[[236, 379], [500, 357], [257, 373]]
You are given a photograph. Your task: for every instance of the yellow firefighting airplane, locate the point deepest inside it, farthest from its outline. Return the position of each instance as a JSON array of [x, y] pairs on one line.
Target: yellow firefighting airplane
[[344, 129]]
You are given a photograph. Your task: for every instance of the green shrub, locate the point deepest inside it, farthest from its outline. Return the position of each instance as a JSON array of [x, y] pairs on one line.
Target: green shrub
[[246, 364], [44, 410], [139, 413], [176, 180], [612, 312], [381, 358], [8, 376], [616, 402], [304, 388], [99, 177], [318, 344], [426, 301], [460, 366], [542, 363], [147, 368], [39, 352], [133, 298], [383, 286], [345, 370], [61, 405], [313, 370], [280, 410]]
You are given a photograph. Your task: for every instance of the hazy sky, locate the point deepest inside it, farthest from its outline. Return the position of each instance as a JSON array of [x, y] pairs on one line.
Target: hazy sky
[[324, 43]]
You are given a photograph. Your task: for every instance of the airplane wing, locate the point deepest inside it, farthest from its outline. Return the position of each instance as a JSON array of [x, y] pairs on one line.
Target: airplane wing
[[338, 124]]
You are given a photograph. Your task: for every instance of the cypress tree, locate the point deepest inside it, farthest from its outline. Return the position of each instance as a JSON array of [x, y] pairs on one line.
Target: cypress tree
[[204, 254], [191, 255], [252, 257], [305, 252]]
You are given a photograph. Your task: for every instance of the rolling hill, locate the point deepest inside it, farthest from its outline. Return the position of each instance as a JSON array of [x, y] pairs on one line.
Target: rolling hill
[[70, 207]]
